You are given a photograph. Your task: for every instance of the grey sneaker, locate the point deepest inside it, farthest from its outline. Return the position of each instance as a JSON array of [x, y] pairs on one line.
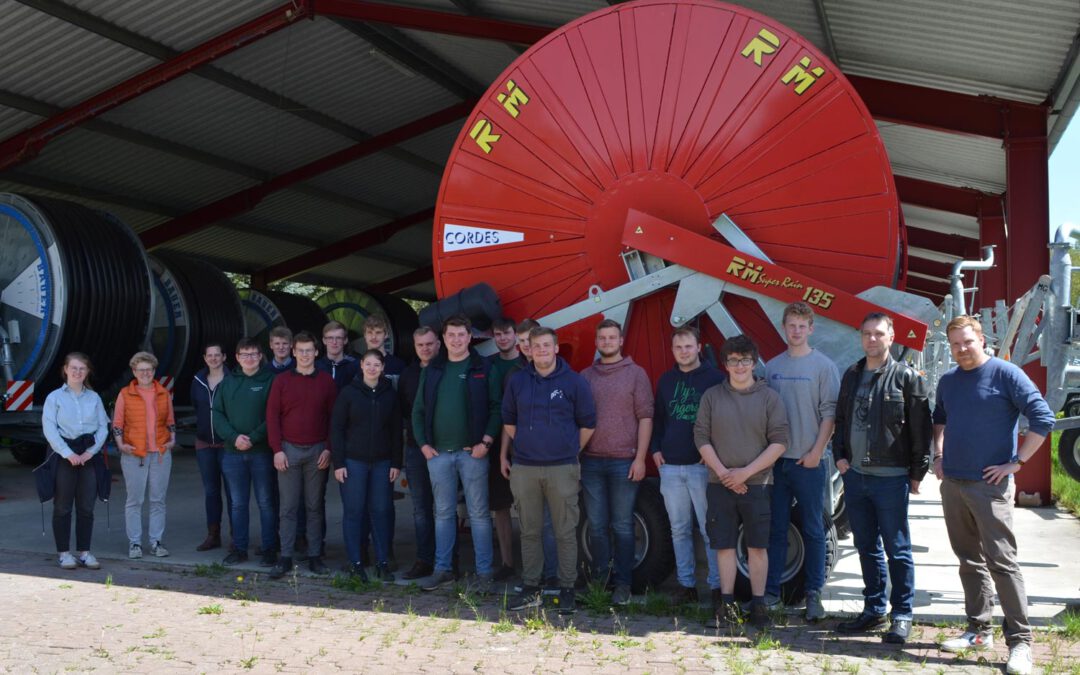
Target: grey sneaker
[[482, 585], [815, 611], [67, 561], [88, 561], [621, 596], [970, 641], [438, 580], [1019, 659], [157, 550], [134, 551], [773, 602]]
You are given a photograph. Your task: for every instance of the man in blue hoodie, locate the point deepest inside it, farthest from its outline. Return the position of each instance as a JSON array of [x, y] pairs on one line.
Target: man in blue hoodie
[[549, 412], [683, 478]]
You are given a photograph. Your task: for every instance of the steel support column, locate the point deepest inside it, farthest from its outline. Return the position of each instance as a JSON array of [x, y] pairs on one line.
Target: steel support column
[[1028, 212], [993, 284]]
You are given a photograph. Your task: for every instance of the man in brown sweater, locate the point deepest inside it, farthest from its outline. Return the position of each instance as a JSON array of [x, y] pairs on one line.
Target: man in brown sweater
[[613, 463], [741, 430]]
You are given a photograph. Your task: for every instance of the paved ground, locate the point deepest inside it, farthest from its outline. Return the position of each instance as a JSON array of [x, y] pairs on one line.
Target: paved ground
[[183, 614]]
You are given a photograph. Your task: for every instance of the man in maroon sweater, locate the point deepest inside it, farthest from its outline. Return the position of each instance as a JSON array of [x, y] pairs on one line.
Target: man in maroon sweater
[[298, 426]]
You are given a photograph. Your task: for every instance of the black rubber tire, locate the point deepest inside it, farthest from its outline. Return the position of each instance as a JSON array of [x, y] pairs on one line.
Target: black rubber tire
[[655, 550], [793, 588], [28, 454], [1069, 452]]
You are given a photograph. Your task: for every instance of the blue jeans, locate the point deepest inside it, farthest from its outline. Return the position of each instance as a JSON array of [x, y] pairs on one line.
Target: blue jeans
[[366, 494], [551, 549], [423, 503], [609, 505], [877, 507], [209, 460], [245, 472], [683, 488], [445, 470], [807, 486]]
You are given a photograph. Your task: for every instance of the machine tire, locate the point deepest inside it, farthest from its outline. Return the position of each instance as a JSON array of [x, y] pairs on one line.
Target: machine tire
[[1069, 452], [793, 583]]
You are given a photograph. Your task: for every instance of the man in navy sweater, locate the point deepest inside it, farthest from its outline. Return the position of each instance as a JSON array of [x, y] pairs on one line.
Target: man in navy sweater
[[683, 478], [549, 412], [975, 455]]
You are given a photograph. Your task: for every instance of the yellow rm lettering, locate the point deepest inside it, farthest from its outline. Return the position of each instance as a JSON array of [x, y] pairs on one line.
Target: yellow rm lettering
[[802, 75], [482, 134], [514, 97], [763, 44]]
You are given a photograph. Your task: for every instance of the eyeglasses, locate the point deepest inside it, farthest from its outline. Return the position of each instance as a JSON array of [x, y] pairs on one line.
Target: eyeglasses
[[305, 352], [334, 338], [143, 371], [732, 363], [248, 357]]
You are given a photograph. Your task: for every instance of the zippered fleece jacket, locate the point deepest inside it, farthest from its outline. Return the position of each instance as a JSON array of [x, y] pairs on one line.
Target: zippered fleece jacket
[[623, 396], [366, 424], [549, 413], [740, 424], [240, 409]]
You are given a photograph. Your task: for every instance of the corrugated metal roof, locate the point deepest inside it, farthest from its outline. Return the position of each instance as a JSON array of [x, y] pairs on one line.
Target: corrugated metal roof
[[964, 161], [434, 145], [134, 218], [332, 70], [51, 60], [547, 13], [483, 60], [180, 26], [250, 251], [384, 180], [999, 47], [13, 121], [940, 221], [361, 271], [310, 216], [209, 117]]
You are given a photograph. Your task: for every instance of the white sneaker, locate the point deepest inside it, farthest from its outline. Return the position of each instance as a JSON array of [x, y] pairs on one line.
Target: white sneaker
[[157, 550], [1019, 659], [135, 551], [969, 642], [67, 561], [88, 561]]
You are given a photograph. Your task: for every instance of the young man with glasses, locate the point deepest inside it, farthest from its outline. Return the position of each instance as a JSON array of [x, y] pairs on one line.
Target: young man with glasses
[[341, 366], [741, 430], [239, 415], [298, 426]]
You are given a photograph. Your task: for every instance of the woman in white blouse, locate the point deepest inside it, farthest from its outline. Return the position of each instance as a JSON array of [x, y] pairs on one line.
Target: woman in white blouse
[[76, 426]]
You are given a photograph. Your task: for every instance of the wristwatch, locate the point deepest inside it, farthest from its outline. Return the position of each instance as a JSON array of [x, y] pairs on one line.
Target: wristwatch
[[487, 444], [1016, 460]]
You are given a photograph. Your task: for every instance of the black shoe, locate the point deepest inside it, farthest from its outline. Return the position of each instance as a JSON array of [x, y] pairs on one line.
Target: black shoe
[[504, 573], [728, 617], [235, 558], [684, 596], [419, 570], [284, 566], [317, 566], [528, 597], [898, 633], [357, 570], [861, 624], [566, 601], [268, 559], [382, 571], [759, 616]]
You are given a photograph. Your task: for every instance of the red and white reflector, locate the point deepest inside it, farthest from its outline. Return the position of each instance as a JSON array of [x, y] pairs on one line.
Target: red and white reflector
[[20, 396], [167, 381]]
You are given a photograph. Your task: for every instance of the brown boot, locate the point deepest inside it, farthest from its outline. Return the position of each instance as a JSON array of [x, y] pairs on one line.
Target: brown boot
[[213, 539]]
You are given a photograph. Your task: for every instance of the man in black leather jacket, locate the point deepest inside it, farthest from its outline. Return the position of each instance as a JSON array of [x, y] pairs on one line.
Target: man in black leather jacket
[[882, 449]]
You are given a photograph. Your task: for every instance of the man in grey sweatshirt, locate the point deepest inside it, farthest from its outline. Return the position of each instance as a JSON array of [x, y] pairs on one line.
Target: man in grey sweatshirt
[[808, 383], [741, 430]]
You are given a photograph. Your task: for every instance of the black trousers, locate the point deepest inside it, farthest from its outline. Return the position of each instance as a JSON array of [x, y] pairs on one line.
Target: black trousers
[[74, 485]]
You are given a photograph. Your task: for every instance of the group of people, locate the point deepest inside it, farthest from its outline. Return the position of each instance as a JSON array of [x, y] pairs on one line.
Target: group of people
[[521, 428]]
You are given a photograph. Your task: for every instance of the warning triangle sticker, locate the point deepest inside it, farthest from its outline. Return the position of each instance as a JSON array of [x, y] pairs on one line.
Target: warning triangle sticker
[[639, 230]]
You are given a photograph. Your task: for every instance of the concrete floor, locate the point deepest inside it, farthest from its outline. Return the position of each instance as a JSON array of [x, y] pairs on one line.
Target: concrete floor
[[1048, 538]]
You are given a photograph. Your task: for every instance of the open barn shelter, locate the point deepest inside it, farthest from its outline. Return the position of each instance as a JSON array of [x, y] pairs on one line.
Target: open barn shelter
[[307, 140]]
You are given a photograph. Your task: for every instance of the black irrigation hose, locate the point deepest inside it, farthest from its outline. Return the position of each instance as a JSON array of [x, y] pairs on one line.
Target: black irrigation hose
[[105, 283], [299, 313], [403, 321], [215, 314]]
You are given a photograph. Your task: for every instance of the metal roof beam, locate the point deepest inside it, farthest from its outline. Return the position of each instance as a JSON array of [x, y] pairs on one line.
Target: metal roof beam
[[928, 267], [434, 21], [950, 111], [340, 249], [965, 201], [145, 140], [961, 247], [403, 280], [139, 43], [245, 200], [826, 30], [27, 144]]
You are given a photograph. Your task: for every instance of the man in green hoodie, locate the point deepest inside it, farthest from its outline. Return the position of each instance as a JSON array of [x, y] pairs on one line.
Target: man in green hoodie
[[239, 416], [741, 430]]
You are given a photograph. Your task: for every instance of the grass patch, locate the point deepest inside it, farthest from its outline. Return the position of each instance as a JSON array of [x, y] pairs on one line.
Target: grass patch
[[1070, 624], [212, 570], [595, 598], [210, 609], [353, 584], [1063, 487]]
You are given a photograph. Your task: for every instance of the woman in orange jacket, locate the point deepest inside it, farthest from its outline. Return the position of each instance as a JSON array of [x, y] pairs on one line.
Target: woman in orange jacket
[[145, 430]]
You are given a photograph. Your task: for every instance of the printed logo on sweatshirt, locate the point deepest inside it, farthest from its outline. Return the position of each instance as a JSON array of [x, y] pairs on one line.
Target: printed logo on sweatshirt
[[556, 393], [683, 406], [777, 377], [257, 388]]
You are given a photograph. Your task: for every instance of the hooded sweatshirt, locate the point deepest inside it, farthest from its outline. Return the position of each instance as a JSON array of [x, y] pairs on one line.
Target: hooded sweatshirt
[[740, 424], [548, 413], [240, 409], [678, 395], [366, 424], [623, 397]]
